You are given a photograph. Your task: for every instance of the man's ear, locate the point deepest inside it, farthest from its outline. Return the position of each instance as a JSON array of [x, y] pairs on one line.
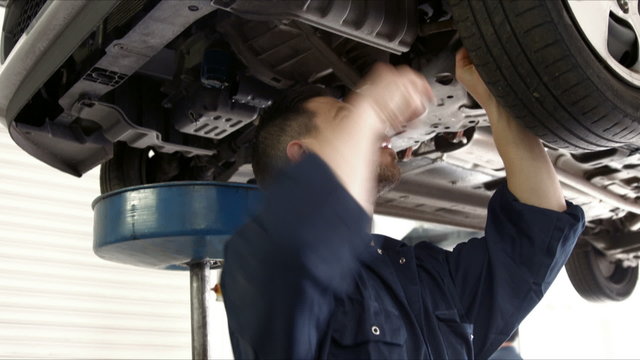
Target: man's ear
[[296, 151]]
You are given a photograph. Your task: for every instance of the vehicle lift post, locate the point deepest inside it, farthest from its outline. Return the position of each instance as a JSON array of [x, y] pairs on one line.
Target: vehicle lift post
[[200, 273]]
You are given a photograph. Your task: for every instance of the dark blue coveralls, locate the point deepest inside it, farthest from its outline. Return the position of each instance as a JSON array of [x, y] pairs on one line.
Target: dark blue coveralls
[[306, 279]]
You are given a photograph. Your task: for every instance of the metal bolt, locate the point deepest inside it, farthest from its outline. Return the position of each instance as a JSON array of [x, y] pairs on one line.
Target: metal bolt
[[624, 5], [193, 8]]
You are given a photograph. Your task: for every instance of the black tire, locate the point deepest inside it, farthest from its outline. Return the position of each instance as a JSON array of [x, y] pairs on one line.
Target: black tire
[[589, 280], [126, 168], [131, 167], [536, 63]]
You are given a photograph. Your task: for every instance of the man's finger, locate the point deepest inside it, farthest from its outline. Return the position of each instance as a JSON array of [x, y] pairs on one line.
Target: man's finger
[[463, 59]]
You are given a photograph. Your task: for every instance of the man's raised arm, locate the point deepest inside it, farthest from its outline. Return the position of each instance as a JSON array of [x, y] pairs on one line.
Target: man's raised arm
[[530, 232], [530, 174]]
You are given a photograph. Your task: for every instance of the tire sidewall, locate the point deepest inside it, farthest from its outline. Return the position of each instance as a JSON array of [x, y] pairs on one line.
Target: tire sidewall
[[619, 290], [613, 88]]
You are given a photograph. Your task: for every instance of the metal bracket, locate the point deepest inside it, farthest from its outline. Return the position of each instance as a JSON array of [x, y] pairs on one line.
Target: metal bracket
[[451, 111], [623, 247], [117, 127]]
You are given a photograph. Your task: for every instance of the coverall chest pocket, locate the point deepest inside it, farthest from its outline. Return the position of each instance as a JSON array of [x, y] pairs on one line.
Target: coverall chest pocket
[[363, 330], [455, 333]]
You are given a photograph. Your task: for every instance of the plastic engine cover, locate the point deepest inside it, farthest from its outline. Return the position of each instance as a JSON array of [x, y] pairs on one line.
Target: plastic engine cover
[[388, 25]]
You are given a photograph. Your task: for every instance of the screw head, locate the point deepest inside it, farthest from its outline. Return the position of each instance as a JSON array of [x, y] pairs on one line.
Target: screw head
[[193, 8], [624, 5]]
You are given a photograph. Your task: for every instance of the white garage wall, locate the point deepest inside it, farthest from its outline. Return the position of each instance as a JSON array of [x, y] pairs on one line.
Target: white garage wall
[[565, 326], [59, 300]]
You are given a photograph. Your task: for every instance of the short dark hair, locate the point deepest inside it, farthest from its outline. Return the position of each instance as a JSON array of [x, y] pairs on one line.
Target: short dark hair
[[285, 120]]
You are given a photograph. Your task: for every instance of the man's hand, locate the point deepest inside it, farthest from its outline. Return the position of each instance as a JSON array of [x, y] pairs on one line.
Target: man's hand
[[530, 174], [349, 138], [468, 76], [394, 95]]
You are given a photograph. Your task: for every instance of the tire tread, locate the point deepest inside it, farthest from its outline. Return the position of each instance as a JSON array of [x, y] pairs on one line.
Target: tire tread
[[529, 66]]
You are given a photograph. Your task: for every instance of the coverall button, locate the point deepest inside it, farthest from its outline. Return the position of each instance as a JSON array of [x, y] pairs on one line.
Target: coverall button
[[375, 330], [380, 251], [402, 260]]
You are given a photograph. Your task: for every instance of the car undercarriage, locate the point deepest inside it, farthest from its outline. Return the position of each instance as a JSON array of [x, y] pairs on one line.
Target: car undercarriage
[[157, 91]]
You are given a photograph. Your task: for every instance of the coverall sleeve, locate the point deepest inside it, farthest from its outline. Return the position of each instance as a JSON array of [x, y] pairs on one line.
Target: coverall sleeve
[[499, 278], [284, 267]]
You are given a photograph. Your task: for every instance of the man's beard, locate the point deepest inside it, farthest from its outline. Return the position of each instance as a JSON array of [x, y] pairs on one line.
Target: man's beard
[[388, 174]]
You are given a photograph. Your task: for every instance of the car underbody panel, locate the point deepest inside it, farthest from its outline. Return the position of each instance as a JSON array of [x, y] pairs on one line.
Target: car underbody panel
[[187, 82]]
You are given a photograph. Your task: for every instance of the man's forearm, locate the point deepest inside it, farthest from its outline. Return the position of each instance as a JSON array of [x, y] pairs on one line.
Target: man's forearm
[[530, 174]]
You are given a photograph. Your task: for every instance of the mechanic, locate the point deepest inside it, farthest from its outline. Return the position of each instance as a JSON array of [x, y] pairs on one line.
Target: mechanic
[[305, 278]]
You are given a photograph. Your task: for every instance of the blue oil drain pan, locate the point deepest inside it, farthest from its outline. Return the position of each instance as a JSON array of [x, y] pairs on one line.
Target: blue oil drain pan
[[169, 225]]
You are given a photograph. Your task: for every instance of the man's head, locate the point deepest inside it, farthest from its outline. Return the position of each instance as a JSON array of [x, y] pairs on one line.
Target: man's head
[[295, 116]]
